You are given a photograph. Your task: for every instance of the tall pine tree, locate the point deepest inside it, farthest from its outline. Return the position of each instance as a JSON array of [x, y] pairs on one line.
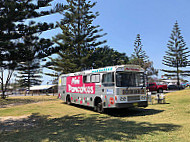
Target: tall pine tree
[[139, 57], [79, 36], [29, 73], [177, 55], [29, 70], [13, 14]]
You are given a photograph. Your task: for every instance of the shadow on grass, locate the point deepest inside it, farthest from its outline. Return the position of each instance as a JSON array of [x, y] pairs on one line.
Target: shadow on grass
[[130, 112], [80, 127]]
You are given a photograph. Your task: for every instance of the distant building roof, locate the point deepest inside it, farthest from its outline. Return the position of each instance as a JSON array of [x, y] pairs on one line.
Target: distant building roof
[[172, 81], [41, 87]]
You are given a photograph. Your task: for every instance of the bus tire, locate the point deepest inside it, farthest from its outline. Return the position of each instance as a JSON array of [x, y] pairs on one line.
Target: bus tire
[[68, 100], [95, 108], [100, 108]]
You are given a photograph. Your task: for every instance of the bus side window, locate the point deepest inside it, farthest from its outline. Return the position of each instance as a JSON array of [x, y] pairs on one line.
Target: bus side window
[[63, 82], [108, 79], [86, 79], [95, 78]]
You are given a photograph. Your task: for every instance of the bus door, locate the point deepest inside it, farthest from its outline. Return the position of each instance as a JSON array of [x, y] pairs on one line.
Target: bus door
[[108, 90]]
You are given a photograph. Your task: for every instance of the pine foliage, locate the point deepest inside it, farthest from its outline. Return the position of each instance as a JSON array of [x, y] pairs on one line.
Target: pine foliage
[[177, 55], [29, 73], [14, 28], [79, 37], [107, 56], [139, 57]]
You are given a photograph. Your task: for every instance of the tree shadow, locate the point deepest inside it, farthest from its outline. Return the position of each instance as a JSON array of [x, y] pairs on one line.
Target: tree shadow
[[125, 112], [80, 127], [132, 112]]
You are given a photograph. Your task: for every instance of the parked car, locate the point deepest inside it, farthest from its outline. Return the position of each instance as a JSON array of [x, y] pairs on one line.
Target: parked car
[[156, 87], [175, 87]]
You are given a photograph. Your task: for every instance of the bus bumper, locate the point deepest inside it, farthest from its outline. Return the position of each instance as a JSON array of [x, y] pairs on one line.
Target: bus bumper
[[128, 105]]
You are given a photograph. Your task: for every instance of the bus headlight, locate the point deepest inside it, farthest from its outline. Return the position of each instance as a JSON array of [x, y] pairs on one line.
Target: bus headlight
[[143, 97]]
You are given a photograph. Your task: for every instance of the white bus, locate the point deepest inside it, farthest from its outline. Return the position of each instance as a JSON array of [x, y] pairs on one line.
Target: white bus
[[120, 86]]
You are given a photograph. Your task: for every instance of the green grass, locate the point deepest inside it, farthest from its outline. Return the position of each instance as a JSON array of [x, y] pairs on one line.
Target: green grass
[[54, 121]]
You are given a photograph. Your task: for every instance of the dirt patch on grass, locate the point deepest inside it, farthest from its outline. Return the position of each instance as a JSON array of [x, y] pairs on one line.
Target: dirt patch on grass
[[14, 118]]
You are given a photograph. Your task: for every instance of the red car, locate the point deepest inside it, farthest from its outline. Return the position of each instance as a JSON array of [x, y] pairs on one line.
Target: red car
[[156, 87]]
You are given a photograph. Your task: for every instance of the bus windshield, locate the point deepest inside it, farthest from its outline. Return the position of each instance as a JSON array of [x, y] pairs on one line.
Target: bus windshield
[[130, 79]]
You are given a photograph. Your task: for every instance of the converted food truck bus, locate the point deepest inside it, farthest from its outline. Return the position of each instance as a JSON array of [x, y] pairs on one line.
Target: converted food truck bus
[[120, 86]]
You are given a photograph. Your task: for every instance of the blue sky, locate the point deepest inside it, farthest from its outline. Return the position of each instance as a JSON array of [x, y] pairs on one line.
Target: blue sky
[[122, 20]]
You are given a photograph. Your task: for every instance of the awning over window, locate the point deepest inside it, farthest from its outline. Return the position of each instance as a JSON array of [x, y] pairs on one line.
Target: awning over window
[[41, 87]]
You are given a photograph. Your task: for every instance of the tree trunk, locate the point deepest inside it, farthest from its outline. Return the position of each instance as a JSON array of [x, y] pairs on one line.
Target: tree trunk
[[178, 76], [3, 95], [2, 86], [79, 24], [28, 77]]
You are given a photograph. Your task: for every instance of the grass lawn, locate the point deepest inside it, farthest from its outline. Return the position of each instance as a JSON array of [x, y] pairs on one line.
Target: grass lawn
[[51, 120]]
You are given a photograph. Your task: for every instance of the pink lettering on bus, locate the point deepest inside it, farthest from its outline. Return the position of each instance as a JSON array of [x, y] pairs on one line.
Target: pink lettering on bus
[[75, 85]]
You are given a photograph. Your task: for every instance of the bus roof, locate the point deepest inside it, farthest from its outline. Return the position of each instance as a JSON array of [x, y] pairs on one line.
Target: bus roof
[[127, 68]]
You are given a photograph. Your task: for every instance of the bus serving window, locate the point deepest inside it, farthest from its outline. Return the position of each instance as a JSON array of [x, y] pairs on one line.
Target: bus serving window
[[86, 79], [108, 79], [95, 78]]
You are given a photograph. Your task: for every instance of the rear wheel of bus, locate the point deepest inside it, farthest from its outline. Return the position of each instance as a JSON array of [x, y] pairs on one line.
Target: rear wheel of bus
[[98, 106], [68, 100]]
